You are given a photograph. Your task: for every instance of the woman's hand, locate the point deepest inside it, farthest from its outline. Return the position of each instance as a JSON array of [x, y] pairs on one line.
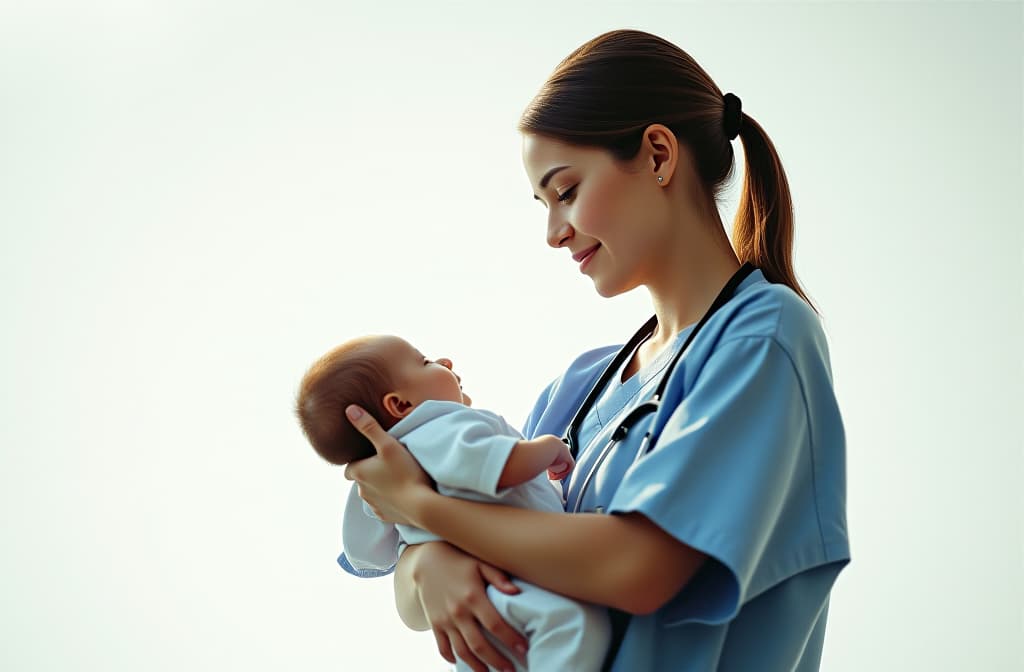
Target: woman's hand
[[391, 481], [451, 587]]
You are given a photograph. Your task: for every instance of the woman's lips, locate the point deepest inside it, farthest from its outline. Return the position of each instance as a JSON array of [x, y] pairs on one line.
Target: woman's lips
[[584, 256]]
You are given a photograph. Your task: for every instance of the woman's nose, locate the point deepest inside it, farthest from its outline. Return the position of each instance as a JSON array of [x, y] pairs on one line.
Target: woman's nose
[[559, 230]]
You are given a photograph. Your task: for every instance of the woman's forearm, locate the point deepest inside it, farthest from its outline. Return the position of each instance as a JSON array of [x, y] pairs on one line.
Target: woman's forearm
[[623, 561], [407, 600]]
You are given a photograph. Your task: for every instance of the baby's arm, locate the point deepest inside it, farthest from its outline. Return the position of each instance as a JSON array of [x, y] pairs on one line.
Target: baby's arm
[[530, 457]]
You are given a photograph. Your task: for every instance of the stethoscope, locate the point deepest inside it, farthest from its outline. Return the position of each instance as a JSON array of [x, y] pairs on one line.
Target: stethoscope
[[630, 424]]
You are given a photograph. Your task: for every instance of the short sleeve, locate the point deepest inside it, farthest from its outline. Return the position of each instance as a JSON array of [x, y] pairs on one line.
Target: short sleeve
[[464, 448], [731, 474]]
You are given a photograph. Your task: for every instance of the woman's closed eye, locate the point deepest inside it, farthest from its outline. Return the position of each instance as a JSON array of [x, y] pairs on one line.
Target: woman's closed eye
[[567, 195]]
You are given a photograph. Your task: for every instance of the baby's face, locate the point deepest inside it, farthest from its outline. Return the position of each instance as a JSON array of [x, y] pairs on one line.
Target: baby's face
[[419, 378]]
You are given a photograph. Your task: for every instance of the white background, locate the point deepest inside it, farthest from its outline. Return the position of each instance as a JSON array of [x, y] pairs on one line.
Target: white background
[[199, 198]]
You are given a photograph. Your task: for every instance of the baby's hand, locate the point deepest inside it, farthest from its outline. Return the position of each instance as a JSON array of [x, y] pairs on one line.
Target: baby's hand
[[562, 464]]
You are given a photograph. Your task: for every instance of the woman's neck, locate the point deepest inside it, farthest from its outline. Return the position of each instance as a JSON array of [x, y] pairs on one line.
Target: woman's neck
[[686, 288]]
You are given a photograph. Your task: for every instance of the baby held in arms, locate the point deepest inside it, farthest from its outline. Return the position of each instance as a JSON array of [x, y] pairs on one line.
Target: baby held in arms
[[470, 453]]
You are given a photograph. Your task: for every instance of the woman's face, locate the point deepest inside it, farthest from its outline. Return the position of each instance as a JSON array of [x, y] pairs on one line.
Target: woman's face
[[605, 212]]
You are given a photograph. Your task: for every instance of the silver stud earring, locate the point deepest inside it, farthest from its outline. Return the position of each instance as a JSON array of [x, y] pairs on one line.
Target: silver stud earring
[[660, 179]]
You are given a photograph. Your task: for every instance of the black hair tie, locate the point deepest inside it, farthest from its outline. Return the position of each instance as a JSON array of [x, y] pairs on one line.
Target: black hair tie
[[733, 117]]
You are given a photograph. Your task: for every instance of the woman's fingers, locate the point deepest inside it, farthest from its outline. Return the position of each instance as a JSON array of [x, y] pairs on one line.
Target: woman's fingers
[[505, 634], [473, 647], [444, 647], [475, 616], [499, 579], [466, 655], [369, 427]]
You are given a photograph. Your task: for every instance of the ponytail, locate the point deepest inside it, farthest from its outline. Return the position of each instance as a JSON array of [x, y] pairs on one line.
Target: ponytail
[[762, 232]]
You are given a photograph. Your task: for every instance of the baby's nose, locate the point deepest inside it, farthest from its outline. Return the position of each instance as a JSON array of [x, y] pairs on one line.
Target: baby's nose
[[447, 363]]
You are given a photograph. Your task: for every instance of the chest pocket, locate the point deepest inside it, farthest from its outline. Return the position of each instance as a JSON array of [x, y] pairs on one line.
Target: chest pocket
[[603, 464]]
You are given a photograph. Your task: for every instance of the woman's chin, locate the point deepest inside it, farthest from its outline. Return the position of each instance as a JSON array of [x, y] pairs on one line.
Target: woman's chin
[[608, 290]]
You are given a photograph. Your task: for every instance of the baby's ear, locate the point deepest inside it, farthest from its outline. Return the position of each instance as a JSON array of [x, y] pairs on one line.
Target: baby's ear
[[396, 406]]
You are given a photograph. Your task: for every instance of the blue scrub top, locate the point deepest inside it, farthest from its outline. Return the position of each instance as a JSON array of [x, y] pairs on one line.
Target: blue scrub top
[[749, 469]]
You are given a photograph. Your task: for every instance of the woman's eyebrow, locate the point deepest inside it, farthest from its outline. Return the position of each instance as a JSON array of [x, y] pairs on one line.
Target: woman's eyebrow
[[548, 175], [547, 178]]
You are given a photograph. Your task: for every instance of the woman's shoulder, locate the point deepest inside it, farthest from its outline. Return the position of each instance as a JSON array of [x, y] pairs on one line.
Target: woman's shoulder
[[585, 367], [772, 311], [558, 401], [591, 359]]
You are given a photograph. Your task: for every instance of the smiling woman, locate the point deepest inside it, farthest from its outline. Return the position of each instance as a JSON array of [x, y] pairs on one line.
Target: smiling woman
[[610, 202], [720, 531]]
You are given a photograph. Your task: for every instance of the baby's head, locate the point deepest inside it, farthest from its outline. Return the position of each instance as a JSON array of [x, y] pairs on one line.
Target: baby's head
[[384, 375]]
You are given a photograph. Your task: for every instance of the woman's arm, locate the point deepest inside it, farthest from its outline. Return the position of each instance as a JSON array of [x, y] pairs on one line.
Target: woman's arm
[[623, 561]]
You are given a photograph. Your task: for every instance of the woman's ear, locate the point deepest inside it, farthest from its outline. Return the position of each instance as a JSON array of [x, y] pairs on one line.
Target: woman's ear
[[396, 406], [660, 151]]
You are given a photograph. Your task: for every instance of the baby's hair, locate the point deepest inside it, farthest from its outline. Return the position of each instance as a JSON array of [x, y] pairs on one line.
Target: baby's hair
[[352, 373]]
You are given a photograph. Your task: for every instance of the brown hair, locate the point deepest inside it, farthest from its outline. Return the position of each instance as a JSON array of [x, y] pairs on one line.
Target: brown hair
[[352, 373], [609, 90]]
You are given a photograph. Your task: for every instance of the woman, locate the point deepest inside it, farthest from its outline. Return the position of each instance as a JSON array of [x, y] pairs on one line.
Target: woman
[[717, 538]]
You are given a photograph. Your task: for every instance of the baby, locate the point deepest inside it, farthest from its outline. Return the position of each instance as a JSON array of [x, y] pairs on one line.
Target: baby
[[470, 453]]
